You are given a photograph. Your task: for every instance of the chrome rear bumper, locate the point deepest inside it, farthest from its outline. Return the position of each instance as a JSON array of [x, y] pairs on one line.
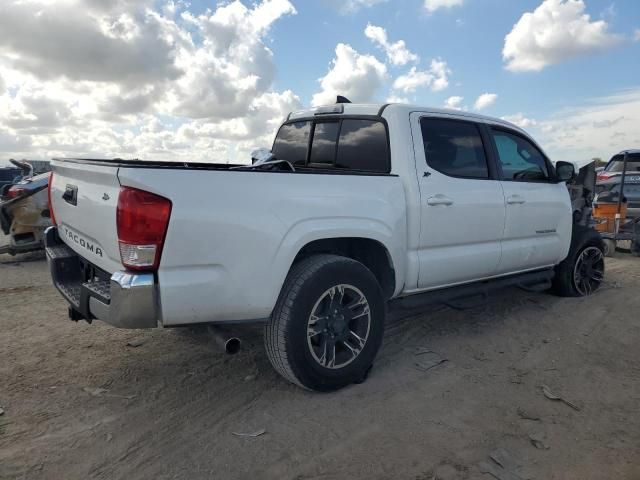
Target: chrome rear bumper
[[124, 300]]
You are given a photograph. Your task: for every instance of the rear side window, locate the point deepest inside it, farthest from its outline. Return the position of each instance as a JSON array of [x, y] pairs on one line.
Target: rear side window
[[519, 158], [454, 147], [363, 146], [292, 142]]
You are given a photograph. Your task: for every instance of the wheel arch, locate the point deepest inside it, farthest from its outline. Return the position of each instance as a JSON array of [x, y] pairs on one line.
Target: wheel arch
[[344, 236], [373, 254]]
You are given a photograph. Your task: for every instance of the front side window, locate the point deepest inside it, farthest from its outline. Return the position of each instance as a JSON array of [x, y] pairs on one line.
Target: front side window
[[292, 142], [454, 147], [519, 158]]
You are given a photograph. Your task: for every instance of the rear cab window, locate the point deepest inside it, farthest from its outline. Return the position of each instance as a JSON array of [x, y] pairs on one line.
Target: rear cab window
[[347, 144], [616, 164]]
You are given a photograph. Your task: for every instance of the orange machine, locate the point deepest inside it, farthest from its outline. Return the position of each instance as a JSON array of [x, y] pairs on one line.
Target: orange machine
[[604, 215]]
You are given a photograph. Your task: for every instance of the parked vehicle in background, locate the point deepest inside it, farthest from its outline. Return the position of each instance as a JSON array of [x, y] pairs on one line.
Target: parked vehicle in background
[[615, 166], [610, 180], [359, 206], [24, 214], [9, 176]]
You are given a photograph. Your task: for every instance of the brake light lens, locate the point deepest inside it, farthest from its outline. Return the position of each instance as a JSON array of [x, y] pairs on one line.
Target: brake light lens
[[142, 220], [604, 176], [49, 186], [14, 192]]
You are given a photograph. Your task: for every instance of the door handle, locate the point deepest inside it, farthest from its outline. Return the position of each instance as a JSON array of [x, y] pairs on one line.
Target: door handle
[[515, 200], [439, 200]]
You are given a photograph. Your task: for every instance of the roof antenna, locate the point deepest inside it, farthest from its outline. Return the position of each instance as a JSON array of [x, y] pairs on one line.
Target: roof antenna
[[342, 99]]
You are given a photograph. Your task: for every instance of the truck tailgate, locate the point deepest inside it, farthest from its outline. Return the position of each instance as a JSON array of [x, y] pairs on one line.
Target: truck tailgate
[[84, 197]]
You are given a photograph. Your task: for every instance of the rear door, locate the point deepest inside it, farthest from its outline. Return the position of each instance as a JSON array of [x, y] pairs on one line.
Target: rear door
[[538, 209], [85, 198], [462, 204]]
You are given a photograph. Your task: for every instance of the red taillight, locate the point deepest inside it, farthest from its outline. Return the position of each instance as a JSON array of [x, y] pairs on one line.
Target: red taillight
[[142, 220], [49, 186], [603, 176], [15, 191]]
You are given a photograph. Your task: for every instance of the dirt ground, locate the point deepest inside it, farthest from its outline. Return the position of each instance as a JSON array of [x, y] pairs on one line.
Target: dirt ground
[[80, 403]]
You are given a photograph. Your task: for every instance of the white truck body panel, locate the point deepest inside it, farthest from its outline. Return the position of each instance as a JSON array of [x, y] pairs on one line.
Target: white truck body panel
[[537, 227], [89, 227], [233, 235], [462, 223]]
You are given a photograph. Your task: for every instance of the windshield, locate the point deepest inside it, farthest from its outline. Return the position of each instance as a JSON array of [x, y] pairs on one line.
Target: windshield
[[617, 162]]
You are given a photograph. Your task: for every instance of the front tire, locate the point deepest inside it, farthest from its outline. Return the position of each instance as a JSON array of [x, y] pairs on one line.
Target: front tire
[[328, 323], [582, 272]]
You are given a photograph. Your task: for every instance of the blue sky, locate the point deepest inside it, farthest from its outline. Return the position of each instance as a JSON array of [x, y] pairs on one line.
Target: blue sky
[[178, 79], [470, 38]]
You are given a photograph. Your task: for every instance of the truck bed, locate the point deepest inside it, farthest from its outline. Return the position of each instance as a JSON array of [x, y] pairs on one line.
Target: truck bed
[[233, 233]]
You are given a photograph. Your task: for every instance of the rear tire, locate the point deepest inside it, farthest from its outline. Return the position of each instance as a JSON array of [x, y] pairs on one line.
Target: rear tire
[[328, 323], [582, 272]]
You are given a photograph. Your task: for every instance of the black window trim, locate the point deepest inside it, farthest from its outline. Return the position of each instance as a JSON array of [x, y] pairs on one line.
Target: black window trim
[[338, 118], [492, 169], [550, 168]]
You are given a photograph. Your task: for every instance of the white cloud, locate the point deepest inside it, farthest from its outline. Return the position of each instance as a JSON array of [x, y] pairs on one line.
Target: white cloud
[[636, 35], [433, 5], [485, 100], [454, 103], [397, 52], [351, 6], [436, 78], [556, 31], [123, 78], [520, 120], [397, 99], [599, 128], [356, 76]]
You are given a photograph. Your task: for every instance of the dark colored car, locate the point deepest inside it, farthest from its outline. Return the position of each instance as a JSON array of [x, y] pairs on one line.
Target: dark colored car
[[610, 179], [615, 166], [9, 176]]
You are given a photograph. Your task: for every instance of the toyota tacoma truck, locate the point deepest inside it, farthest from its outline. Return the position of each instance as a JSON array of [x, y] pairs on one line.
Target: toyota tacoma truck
[[359, 208]]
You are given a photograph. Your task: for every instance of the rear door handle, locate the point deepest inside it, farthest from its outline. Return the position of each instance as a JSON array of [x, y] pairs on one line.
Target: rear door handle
[[439, 200], [515, 200]]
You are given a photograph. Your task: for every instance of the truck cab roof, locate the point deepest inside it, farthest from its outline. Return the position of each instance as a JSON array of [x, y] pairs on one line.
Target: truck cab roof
[[377, 109]]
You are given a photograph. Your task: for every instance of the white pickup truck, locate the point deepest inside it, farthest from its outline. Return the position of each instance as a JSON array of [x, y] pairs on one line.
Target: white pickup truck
[[362, 206]]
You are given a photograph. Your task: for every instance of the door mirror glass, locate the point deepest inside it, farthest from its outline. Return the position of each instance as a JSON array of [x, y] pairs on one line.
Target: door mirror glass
[[565, 171]]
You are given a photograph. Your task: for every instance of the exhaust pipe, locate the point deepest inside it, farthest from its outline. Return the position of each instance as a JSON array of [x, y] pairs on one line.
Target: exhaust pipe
[[225, 339]]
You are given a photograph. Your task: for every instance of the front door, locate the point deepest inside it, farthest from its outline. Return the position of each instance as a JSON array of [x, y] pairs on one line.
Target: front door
[[462, 203], [538, 209]]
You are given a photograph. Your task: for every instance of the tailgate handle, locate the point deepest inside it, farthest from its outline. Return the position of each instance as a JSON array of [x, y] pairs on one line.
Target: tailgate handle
[[70, 195]]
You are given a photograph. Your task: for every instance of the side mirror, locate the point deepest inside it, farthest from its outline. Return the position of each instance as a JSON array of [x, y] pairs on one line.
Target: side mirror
[[261, 155], [565, 171]]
